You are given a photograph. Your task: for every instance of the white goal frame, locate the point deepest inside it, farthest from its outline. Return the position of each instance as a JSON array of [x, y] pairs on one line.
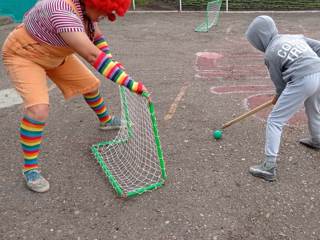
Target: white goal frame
[[180, 5]]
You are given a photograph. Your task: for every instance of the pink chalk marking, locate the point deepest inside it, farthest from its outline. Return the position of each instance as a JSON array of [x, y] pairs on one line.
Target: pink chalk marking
[[246, 69], [241, 89], [246, 54], [232, 75], [207, 60], [253, 101], [210, 65]]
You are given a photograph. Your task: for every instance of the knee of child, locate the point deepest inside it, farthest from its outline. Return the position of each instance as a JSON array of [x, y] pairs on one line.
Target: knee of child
[[38, 112], [275, 122]]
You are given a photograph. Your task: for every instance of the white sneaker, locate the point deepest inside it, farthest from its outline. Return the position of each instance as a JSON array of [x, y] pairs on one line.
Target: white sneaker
[[35, 181]]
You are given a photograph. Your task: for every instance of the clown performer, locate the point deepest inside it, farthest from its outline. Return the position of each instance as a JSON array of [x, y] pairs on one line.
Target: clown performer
[[45, 44]]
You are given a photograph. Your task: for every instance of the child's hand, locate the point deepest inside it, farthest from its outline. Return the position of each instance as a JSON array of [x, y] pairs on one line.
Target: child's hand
[[275, 99]]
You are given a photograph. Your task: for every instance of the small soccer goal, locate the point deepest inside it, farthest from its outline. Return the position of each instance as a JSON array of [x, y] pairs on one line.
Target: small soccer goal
[[211, 17], [133, 160]]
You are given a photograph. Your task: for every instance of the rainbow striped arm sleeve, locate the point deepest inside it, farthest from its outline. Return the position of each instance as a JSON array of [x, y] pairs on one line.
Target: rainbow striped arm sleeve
[[102, 44], [111, 70]]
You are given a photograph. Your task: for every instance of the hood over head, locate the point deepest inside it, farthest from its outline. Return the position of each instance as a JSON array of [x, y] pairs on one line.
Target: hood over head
[[261, 31]]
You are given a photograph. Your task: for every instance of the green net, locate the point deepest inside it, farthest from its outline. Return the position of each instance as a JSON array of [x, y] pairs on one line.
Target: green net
[[133, 160], [211, 17]]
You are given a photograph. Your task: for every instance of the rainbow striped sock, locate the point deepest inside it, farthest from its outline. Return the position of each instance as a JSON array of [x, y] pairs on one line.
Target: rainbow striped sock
[[96, 102], [30, 140]]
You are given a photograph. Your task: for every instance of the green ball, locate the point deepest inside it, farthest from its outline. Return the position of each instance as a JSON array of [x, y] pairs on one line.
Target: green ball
[[217, 134]]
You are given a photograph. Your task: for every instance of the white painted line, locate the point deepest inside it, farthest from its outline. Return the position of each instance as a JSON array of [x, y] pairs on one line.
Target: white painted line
[[174, 105], [235, 89], [229, 29], [10, 97]]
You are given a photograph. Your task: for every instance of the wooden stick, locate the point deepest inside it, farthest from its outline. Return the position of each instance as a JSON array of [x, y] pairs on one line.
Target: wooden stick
[[247, 114]]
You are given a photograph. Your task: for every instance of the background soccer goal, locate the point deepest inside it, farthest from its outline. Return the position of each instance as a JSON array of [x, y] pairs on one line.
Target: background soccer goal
[[211, 16], [227, 5], [133, 160]]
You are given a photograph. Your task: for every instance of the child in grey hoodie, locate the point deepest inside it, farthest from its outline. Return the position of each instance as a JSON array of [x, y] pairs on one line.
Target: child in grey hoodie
[[294, 68]]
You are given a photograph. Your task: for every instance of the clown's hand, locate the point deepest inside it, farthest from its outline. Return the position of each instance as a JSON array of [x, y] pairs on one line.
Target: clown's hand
[[145, 93], [119, 65]]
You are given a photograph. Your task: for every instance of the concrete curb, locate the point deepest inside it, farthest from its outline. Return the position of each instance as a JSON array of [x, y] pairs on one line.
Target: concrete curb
[[5, 20]]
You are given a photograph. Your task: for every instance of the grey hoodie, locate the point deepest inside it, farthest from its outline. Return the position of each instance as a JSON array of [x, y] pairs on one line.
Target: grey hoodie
[[288, 57]]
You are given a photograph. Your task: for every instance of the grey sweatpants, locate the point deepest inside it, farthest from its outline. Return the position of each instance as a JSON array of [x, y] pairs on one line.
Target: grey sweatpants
[[301, 91]]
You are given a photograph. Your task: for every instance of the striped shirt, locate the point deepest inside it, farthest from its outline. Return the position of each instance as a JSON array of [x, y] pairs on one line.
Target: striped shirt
[[48, 18]]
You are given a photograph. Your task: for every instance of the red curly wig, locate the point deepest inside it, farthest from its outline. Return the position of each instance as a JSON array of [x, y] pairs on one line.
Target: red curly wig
[[110, 7]]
